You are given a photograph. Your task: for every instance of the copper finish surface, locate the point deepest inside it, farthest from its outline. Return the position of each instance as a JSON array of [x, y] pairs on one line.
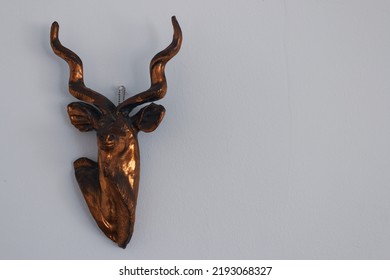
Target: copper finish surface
[[110, 185]]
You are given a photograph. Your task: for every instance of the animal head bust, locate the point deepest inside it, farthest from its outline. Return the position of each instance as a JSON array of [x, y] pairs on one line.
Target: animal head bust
[[110, 185]]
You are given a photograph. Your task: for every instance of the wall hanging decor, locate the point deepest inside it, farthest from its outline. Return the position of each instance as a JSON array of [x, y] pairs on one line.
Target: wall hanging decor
[[110, 185]]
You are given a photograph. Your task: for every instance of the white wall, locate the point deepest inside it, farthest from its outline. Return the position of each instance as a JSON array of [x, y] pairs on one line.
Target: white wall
[[275, 145]]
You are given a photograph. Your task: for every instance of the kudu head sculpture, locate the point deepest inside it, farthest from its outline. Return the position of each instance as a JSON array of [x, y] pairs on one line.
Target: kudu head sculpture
[[110, 186]]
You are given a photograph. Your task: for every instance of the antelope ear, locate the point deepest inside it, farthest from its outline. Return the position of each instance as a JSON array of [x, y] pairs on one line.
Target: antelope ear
[[83, 116], [149, 117]]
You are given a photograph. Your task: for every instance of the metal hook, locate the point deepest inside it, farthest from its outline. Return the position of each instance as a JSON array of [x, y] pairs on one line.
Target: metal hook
[[121, 94]]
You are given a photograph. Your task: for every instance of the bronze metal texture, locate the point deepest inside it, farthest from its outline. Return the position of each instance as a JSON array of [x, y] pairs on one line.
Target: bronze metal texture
[[110, 185]]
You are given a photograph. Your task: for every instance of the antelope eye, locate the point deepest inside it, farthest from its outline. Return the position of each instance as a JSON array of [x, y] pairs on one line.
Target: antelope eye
[[110, 138]]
